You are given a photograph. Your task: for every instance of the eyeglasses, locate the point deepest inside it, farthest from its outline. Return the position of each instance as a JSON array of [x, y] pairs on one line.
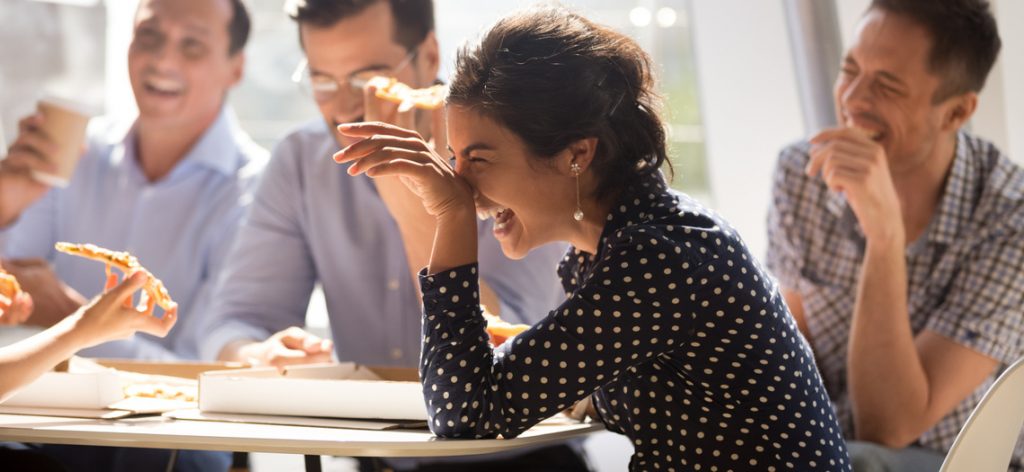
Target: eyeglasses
[[325, 88]]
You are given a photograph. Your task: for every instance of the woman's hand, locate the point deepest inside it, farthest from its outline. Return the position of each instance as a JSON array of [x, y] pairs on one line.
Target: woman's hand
[[14, 311], [389, 150], [111, 315]]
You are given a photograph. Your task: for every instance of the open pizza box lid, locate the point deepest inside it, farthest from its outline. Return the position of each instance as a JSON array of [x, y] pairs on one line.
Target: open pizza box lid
[[111, 388], [338, 390]]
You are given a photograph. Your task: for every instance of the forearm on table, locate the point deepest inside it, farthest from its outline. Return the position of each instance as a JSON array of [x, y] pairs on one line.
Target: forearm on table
[[889, 388]]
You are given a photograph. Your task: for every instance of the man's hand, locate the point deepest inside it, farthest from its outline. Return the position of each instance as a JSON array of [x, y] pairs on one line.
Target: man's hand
[[416, 226], [32, 151], [852, 163], [53, 299], [289, 347], [401, 202]]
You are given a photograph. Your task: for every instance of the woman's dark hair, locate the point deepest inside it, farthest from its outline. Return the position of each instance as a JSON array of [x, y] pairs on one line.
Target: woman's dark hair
[[554, 77]]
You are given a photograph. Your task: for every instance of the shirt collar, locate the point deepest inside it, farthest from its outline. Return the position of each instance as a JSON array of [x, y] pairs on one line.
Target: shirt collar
[[636, 205], [217, 148]]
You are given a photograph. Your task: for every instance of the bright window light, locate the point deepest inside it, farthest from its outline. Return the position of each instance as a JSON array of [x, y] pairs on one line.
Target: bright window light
[[666, 17], [640, 17]]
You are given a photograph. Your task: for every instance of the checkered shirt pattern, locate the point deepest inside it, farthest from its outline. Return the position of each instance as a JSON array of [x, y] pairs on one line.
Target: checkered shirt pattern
[[966, 273]]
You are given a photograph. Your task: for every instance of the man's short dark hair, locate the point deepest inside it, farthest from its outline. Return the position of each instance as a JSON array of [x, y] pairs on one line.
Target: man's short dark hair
[[414, 19], [238, 29], [965, 40]]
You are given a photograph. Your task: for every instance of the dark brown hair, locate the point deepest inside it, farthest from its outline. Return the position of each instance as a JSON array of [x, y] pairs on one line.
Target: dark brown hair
[[553, 77], [965, 40], [414, 19], [238, 28]]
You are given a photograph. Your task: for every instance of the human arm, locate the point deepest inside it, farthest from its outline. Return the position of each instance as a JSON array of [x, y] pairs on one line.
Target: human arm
[[53, 299], [788, 244], [416, 226], [268, 273], [31, 151], [901, 383], [601, 332], [107, 317]]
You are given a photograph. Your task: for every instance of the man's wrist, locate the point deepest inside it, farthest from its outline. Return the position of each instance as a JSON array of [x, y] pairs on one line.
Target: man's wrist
[[239, 351], [6, 219], [886, 240]]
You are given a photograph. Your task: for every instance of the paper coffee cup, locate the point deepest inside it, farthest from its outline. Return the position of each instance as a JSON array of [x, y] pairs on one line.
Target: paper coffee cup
[[64, 122]]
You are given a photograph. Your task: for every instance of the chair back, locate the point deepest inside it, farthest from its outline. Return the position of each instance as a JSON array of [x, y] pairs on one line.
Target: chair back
[[987, 440]]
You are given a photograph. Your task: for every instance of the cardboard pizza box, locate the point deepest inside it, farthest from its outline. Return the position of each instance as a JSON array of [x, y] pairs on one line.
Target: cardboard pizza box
[[336, 390]]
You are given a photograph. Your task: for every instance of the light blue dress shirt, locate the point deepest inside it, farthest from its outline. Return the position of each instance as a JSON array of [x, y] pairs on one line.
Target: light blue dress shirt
[[311, 222], [179, 227]]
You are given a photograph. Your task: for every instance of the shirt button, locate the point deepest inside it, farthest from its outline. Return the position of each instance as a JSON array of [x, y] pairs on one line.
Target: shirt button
[[396, 353], [393, 284]]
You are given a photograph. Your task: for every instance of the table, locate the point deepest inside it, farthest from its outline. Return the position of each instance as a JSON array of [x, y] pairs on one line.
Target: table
[[164, 433]]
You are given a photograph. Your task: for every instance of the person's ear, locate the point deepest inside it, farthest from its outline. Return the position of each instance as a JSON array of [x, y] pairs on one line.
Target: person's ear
[[960, 109], [429, 57], [580, 152]]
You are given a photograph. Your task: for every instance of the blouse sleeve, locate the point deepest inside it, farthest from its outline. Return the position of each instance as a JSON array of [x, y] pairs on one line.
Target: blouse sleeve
[[633, 308]]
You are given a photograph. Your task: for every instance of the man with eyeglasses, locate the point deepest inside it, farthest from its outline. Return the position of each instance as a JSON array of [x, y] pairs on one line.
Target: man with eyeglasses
[[363, 240]]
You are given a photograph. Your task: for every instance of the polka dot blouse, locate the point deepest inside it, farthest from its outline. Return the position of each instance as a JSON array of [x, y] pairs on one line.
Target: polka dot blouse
[[685, 344]]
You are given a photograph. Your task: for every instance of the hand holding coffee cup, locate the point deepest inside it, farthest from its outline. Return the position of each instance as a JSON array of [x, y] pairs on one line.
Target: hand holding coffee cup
[[44, 154], [64, 123]]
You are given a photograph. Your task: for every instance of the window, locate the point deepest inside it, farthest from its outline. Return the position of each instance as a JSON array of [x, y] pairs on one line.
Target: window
[[59, 48], [660, 27]]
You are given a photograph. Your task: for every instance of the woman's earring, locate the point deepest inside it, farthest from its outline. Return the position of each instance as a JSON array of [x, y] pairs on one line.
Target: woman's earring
[[578, 214]]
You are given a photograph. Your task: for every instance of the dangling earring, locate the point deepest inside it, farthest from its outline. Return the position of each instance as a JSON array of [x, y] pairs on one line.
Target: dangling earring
[[578, 214]]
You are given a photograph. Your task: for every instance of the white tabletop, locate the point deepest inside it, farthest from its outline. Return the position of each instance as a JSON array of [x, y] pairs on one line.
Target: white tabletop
[[159, 432]]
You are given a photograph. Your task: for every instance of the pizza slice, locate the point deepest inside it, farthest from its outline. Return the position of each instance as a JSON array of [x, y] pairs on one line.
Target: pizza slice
[[127, 263], [9, 286], [390, 89], [500, 330]]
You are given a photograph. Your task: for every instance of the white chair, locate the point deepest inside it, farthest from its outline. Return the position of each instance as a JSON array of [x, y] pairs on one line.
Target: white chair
[[986, 442]]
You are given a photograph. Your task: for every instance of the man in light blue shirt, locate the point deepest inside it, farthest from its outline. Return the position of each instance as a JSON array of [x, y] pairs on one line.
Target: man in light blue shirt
[[179, 227], [171, 187]]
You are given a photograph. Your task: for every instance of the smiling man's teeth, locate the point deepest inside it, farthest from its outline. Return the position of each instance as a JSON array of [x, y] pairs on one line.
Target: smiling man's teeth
[[164, 86]]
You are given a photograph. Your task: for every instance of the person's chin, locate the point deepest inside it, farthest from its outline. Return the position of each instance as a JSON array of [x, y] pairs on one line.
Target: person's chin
[[159, 112], [513, 244]]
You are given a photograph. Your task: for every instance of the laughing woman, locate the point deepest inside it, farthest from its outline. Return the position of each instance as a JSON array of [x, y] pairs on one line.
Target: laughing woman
[[678, 334]]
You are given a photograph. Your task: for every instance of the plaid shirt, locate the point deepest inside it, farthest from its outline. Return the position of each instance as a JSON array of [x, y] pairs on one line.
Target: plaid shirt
[[966, 273]]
